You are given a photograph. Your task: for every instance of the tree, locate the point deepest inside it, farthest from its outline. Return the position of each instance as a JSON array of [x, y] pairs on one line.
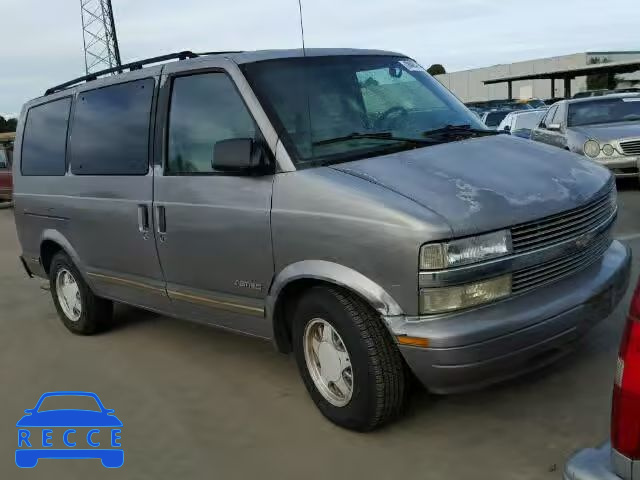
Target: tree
[[598, 81], [436, 69], [7, 125]]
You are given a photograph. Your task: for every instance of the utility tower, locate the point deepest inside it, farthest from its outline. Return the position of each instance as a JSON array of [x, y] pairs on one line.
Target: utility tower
[[99, 35]]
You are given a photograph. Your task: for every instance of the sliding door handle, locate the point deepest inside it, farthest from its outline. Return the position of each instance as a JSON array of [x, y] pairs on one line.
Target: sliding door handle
[[143, 218], [161, 219]]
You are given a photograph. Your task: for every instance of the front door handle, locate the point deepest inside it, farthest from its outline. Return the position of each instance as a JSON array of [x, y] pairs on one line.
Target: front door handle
[[143, 218], [161, 219]]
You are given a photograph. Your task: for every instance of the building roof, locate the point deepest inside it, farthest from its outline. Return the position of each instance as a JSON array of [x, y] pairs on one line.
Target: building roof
[[626, 66]]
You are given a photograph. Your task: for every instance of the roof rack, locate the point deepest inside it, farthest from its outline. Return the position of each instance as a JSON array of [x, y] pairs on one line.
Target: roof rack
[[130, 67]]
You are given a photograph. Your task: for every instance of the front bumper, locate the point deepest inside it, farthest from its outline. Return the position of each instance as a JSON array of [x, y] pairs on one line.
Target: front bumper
[[621, 167], [486, 345]]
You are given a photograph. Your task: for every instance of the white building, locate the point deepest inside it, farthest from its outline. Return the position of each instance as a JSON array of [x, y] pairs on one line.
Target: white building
[[469, 87]]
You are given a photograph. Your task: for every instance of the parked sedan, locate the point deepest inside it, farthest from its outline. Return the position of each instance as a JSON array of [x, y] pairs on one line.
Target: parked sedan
[[605, 129], [520, 123], [619, 459]]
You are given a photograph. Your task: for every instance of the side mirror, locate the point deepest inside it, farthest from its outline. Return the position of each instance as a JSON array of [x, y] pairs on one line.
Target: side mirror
[[238, 155], [555, 127], [507, 129]]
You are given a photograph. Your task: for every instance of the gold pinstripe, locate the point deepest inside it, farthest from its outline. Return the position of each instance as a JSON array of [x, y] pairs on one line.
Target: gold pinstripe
[[190, 298]]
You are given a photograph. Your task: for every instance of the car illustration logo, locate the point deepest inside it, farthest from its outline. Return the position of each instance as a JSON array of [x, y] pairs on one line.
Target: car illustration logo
[[69, 433]]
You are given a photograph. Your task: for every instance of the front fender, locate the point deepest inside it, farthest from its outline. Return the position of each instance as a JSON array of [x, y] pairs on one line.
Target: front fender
[[336, 274]]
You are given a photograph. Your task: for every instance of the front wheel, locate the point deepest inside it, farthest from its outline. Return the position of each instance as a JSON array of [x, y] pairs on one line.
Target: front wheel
[[347, 359]]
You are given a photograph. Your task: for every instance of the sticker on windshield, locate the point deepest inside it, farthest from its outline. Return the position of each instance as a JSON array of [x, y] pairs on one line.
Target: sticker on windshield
[[411, 65]]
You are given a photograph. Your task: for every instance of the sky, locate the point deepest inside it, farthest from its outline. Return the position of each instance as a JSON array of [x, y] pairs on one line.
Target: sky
[[42, 39]]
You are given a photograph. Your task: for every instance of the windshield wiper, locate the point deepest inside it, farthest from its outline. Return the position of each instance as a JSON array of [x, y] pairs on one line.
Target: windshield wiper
[[458, 130], [374, 136]]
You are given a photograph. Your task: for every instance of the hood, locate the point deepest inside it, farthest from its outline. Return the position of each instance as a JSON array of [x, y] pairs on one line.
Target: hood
[[487, 183], [69, 418], [609, 131]]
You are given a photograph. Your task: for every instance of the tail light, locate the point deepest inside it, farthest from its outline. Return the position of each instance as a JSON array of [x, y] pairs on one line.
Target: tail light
[[625, 422]]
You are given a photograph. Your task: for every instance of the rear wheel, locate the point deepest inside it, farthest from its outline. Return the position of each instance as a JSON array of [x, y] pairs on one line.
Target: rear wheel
[[347, 359], [79, 309]]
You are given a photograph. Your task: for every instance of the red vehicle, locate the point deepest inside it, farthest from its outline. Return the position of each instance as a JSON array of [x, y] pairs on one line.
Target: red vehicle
[[619, 459], [6, 181]]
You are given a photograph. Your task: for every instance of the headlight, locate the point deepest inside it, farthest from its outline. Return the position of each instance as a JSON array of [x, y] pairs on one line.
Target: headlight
[[447, 299], [591, 148], [464, 251], [608, 150]]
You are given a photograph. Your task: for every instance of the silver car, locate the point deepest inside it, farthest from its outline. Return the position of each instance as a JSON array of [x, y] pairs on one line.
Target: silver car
[[340, 203], [520, 122], [605, 129]]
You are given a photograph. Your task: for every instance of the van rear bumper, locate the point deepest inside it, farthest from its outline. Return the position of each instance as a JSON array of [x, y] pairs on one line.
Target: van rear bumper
[[490, 344]]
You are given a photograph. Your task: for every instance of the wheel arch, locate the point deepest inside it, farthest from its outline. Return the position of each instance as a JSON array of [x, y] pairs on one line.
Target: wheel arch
[[298, 277], [52, 242]]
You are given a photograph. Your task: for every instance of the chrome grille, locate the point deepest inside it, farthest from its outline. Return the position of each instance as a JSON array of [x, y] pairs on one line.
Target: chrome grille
[[630, 147], [563, 226], [541, 274]]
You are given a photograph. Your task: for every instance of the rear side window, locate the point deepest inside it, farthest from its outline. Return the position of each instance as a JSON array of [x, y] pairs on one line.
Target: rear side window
[[110, 130], [45, 137]]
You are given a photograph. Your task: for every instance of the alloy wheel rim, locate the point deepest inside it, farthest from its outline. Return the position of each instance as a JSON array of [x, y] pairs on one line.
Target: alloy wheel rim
[[68, 295], [328, 362]]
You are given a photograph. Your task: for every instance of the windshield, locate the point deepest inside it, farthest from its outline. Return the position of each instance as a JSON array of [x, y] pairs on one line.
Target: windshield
[[607, 110], [494, 118], [313, 100]]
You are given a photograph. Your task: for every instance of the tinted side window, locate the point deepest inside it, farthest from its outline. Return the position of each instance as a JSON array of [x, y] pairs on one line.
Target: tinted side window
[[45, 138], [205, 109], [110, 130]]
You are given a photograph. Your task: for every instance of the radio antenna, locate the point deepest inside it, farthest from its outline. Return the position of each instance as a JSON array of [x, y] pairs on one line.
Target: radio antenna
[[304, 50]]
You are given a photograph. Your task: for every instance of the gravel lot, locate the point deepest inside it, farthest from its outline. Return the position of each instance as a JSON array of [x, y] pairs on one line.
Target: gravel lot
[[201, 403]]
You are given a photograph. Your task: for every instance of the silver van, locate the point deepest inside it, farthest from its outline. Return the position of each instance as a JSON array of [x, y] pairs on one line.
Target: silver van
[[341, 203]]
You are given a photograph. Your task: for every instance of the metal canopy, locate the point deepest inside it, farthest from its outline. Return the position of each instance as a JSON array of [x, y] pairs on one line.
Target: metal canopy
[[568, 74], [613, 67]]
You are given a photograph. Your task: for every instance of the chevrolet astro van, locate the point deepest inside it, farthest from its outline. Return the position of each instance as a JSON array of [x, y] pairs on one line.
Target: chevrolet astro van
[[341, 203]]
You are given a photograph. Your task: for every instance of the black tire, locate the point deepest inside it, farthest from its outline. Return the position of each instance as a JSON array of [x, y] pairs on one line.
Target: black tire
[[96, 311], [379, 375]]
